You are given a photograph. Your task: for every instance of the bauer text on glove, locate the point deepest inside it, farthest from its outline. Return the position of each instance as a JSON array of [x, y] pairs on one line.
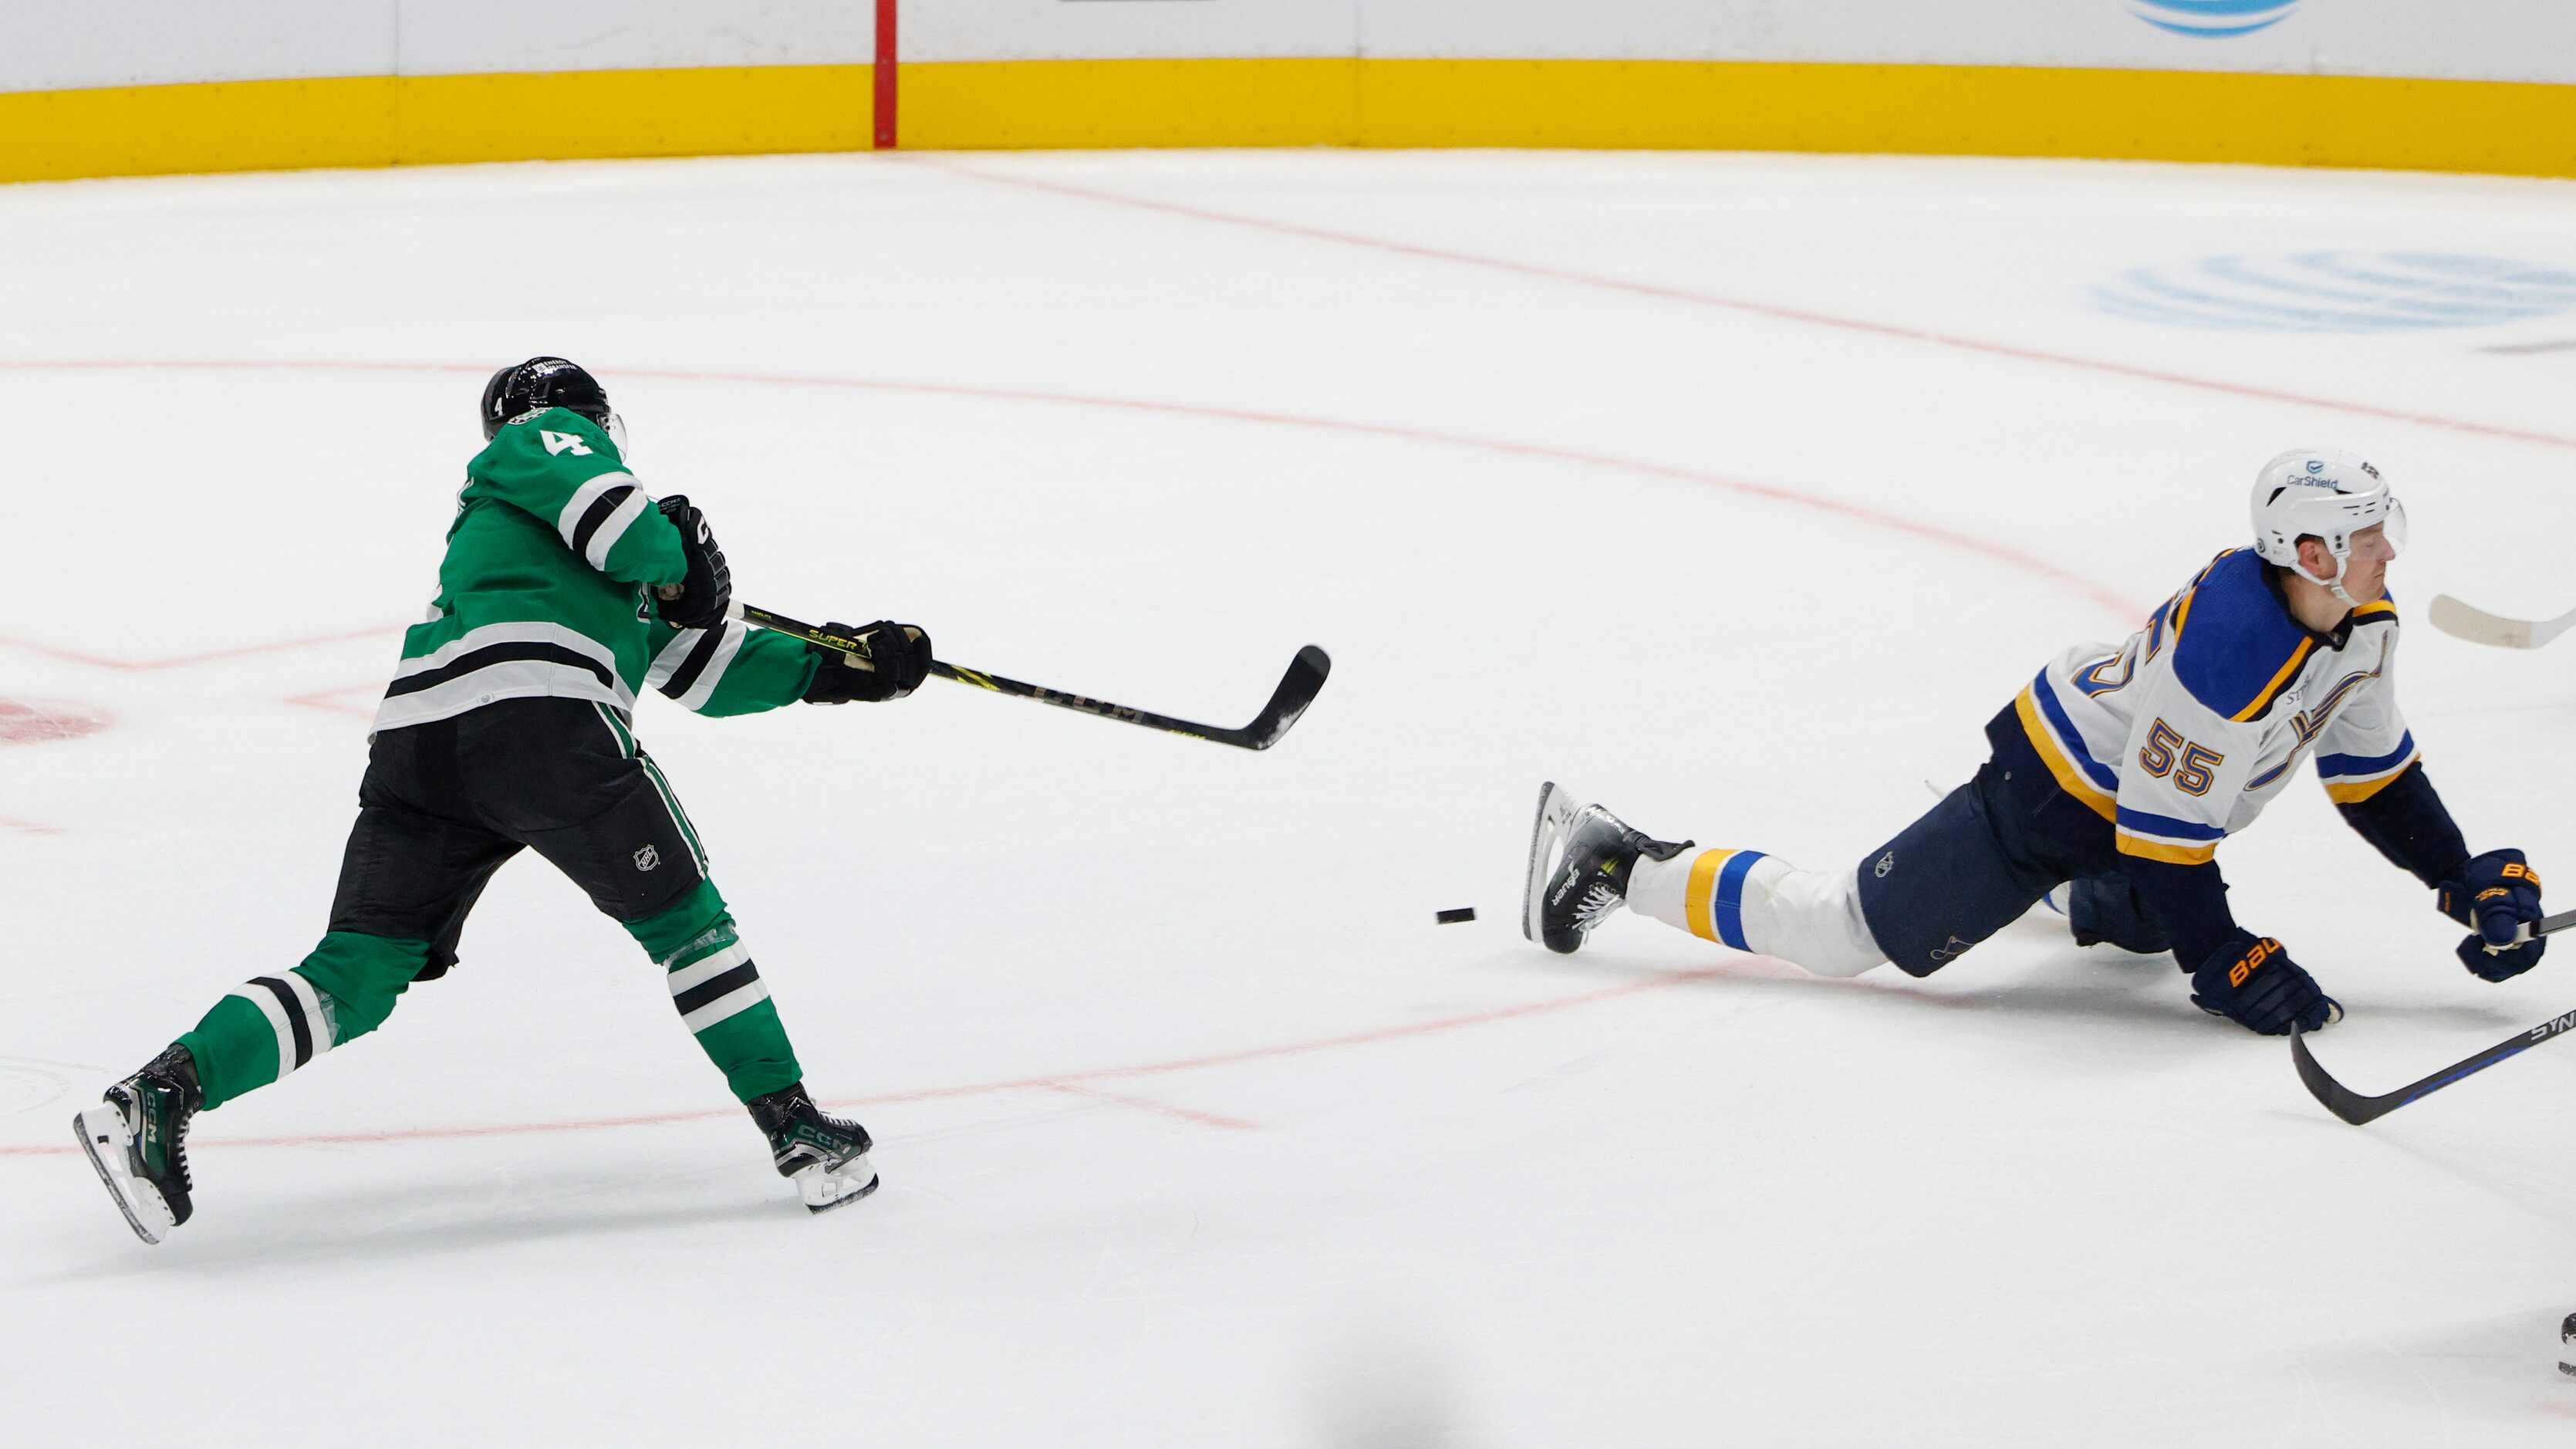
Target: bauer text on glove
[[2253, 982]]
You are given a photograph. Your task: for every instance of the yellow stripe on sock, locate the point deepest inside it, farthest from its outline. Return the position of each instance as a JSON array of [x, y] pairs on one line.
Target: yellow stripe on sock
[[1699, 898]]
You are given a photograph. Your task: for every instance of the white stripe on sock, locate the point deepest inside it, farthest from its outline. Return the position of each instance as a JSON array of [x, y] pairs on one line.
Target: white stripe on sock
[[730, 1004], [269, 1006], [699, 973], [316, 1021]]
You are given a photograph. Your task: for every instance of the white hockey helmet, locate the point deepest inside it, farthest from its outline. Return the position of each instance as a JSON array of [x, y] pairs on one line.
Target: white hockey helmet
[[2328, 494]]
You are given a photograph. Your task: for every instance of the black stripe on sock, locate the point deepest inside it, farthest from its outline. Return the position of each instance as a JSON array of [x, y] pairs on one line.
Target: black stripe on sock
[[696, 664], [490, 654], [295, 1021], [706, 991], [597, 514]]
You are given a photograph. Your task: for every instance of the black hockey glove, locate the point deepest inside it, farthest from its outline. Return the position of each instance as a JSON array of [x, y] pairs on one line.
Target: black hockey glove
[[2495, 893], [2254, 983], [699, 600], [898, 660]]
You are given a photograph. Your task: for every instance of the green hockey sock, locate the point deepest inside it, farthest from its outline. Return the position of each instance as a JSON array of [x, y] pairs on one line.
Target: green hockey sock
[[719, 993], [272, 1025]]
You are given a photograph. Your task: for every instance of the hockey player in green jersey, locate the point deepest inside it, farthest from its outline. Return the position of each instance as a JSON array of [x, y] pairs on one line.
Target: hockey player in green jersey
[[565, 590]]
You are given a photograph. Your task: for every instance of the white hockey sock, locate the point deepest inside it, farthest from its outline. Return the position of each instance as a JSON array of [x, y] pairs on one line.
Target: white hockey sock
[[1757, 902]]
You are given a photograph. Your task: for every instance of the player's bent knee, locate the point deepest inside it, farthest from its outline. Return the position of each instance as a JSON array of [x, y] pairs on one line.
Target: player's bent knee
[[360, 977], [664, 933]]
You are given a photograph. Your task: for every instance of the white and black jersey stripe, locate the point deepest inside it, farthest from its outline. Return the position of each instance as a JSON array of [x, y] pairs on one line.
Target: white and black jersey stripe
[[300, 1014], [721, 986], [691, 666], [501, 661], [599, 514]]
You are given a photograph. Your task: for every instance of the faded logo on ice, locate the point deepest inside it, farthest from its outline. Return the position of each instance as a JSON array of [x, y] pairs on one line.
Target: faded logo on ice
[[2213, 19], [2339, 291]]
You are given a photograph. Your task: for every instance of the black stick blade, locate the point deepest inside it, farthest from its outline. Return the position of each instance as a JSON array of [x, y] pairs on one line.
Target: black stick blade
[[2356, 1109], [1297, 689], [2334, 1096]]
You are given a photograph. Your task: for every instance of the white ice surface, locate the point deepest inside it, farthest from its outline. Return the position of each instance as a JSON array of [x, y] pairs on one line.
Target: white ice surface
[[1195, 1128]]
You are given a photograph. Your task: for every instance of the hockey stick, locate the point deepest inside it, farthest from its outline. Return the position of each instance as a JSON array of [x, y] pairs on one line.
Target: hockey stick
[[1297, 689], [2467, 621], [2356, 1109]]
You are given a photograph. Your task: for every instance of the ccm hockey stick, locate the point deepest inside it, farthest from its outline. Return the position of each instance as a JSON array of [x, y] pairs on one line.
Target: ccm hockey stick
[[2356, 1109], [2467, 621], [1297, 689]]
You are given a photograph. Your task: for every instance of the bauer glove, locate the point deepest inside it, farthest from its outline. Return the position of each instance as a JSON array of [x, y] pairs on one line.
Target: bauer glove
[[898, 660], [2495, 894], [2253, 982], [699, 600]]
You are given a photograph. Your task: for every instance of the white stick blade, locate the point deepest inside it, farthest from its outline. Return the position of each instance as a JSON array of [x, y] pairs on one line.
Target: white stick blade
[[2464, 621]]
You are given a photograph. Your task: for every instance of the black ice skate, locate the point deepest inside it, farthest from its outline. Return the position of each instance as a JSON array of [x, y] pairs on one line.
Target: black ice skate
[[825, 1157], [1580, 859], [137, 1138]]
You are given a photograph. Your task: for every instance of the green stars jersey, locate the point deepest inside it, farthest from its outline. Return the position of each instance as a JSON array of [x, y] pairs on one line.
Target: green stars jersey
[[546, 590]]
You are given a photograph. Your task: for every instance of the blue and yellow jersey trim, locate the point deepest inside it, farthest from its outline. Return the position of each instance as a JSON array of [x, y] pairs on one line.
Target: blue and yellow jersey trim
[[2351, 779], [2061, 749], [2279, 681], [2241, 648], [2162, 837], [1713, 902]]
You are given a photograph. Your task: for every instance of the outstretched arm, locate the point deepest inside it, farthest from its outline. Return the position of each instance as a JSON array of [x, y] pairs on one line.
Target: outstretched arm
[[728, 668], [2404, 818]]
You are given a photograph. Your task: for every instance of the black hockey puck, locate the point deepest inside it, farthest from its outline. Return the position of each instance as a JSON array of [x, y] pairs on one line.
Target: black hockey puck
[[1463, 913]]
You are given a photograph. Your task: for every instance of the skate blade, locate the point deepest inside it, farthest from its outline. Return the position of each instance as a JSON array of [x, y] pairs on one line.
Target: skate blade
[[823, 1189], [103, 1137], [1557, 808]]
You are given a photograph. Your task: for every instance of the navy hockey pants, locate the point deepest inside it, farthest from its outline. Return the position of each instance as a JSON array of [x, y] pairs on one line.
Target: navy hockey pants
[[1981, 857]]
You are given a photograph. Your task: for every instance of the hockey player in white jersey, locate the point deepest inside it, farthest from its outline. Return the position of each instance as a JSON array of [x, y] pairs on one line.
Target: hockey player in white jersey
[[2120, 769]]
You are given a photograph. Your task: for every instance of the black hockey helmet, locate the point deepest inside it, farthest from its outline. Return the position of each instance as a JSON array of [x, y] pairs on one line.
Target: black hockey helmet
[[543, 382]]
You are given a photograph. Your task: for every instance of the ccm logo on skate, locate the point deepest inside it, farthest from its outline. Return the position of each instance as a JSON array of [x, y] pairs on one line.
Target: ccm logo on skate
[[647, 858], [2263, 950]]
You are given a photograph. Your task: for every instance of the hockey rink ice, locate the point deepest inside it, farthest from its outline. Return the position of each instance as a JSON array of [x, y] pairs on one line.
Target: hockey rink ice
[[1735, 492]]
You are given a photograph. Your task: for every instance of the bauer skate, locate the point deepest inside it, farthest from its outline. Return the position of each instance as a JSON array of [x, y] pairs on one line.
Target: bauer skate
[[137, 1138], [1580, 859], [825, 1157]]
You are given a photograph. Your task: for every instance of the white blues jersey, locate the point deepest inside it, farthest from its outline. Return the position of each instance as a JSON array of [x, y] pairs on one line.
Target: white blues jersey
[[2182, 735]]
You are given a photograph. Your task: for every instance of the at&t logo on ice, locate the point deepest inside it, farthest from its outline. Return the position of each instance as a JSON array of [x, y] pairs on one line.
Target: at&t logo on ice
[[2213, 19]]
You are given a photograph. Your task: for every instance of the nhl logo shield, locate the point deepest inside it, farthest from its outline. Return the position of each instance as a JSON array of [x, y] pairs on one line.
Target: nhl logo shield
[[647, 858]]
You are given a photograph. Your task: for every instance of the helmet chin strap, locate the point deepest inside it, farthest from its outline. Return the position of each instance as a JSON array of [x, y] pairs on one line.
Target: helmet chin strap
[[2332, 585]]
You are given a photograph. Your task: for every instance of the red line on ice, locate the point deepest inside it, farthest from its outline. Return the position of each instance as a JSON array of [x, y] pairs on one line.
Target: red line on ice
[[1771, 310], [2125, 609], [1074, 1082], [180, 661], [337, 701], [1148, 1104]]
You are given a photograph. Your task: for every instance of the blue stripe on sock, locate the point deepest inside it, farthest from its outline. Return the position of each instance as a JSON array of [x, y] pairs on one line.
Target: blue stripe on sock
[[1728, 909]]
